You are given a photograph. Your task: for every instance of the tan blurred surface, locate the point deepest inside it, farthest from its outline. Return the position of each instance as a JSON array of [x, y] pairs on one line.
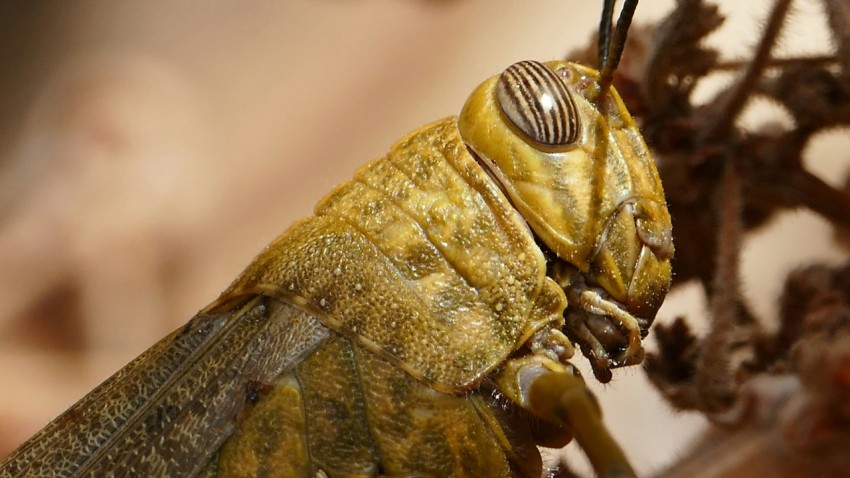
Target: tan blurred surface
[[148, 153]]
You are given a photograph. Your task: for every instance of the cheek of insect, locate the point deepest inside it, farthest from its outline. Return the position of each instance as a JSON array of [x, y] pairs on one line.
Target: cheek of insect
[[633, 260]]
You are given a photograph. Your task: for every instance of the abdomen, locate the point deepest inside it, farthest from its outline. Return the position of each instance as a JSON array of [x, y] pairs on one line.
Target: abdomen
[[344, 411]]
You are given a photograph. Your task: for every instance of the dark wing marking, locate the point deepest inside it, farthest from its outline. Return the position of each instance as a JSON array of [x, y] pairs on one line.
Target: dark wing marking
[[169, 410]]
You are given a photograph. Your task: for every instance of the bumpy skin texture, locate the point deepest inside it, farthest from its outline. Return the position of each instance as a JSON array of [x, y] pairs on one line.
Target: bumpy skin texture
[[420, 259]]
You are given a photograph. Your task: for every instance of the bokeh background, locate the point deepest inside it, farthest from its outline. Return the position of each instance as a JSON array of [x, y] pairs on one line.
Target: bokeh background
[[149, 150]]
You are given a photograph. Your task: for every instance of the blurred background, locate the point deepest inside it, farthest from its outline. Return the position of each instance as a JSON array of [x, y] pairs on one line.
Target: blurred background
[[149, 151]]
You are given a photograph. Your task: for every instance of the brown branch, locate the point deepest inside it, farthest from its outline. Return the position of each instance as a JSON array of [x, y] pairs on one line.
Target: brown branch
[[838, 15], [808, 61], [723, 121], [714, 374]]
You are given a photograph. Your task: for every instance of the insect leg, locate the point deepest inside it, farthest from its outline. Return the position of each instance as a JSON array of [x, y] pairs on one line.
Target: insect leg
[[556, 392], [564, 398]]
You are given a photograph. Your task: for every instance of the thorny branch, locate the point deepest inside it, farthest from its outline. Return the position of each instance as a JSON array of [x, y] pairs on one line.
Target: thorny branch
[[781, 411]]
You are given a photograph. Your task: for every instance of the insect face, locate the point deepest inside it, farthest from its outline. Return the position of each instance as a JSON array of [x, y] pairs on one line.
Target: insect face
[[574, 165]]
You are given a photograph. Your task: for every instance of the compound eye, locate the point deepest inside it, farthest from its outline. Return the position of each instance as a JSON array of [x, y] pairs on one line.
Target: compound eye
[[538, 103]]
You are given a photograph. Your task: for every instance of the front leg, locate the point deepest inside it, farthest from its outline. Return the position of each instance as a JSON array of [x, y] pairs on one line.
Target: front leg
[[555, 392]]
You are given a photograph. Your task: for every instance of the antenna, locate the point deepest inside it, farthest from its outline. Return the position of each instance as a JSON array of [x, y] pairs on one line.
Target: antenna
[[612, 40]]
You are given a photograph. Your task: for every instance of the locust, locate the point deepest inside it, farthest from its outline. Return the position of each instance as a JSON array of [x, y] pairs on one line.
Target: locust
[[421, 322]]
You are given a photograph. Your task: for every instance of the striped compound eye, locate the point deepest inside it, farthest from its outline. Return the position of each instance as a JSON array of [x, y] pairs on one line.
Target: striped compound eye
[[538, 103]]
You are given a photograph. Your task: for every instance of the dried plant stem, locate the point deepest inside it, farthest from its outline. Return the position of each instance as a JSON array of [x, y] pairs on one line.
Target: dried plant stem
[[813, 192], [838, 15], [714, 376], [814, 60], [723, 121]]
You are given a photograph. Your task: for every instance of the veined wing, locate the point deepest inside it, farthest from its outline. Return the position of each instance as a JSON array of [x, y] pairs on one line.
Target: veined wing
[[169, 410]]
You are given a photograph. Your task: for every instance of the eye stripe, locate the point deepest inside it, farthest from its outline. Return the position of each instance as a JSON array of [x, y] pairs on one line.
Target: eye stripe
[[537, 102], [528, 89], [564, 112], [554, 125]]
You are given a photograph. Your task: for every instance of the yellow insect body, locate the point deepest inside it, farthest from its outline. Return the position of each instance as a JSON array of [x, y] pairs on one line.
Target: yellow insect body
[[421, 259], [414, 325]]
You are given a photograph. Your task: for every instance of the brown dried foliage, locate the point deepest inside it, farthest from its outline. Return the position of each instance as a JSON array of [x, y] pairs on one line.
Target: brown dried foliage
[[783, 411]]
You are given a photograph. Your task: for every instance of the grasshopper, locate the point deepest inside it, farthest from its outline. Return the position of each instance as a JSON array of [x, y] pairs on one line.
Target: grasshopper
[[421, 322]]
